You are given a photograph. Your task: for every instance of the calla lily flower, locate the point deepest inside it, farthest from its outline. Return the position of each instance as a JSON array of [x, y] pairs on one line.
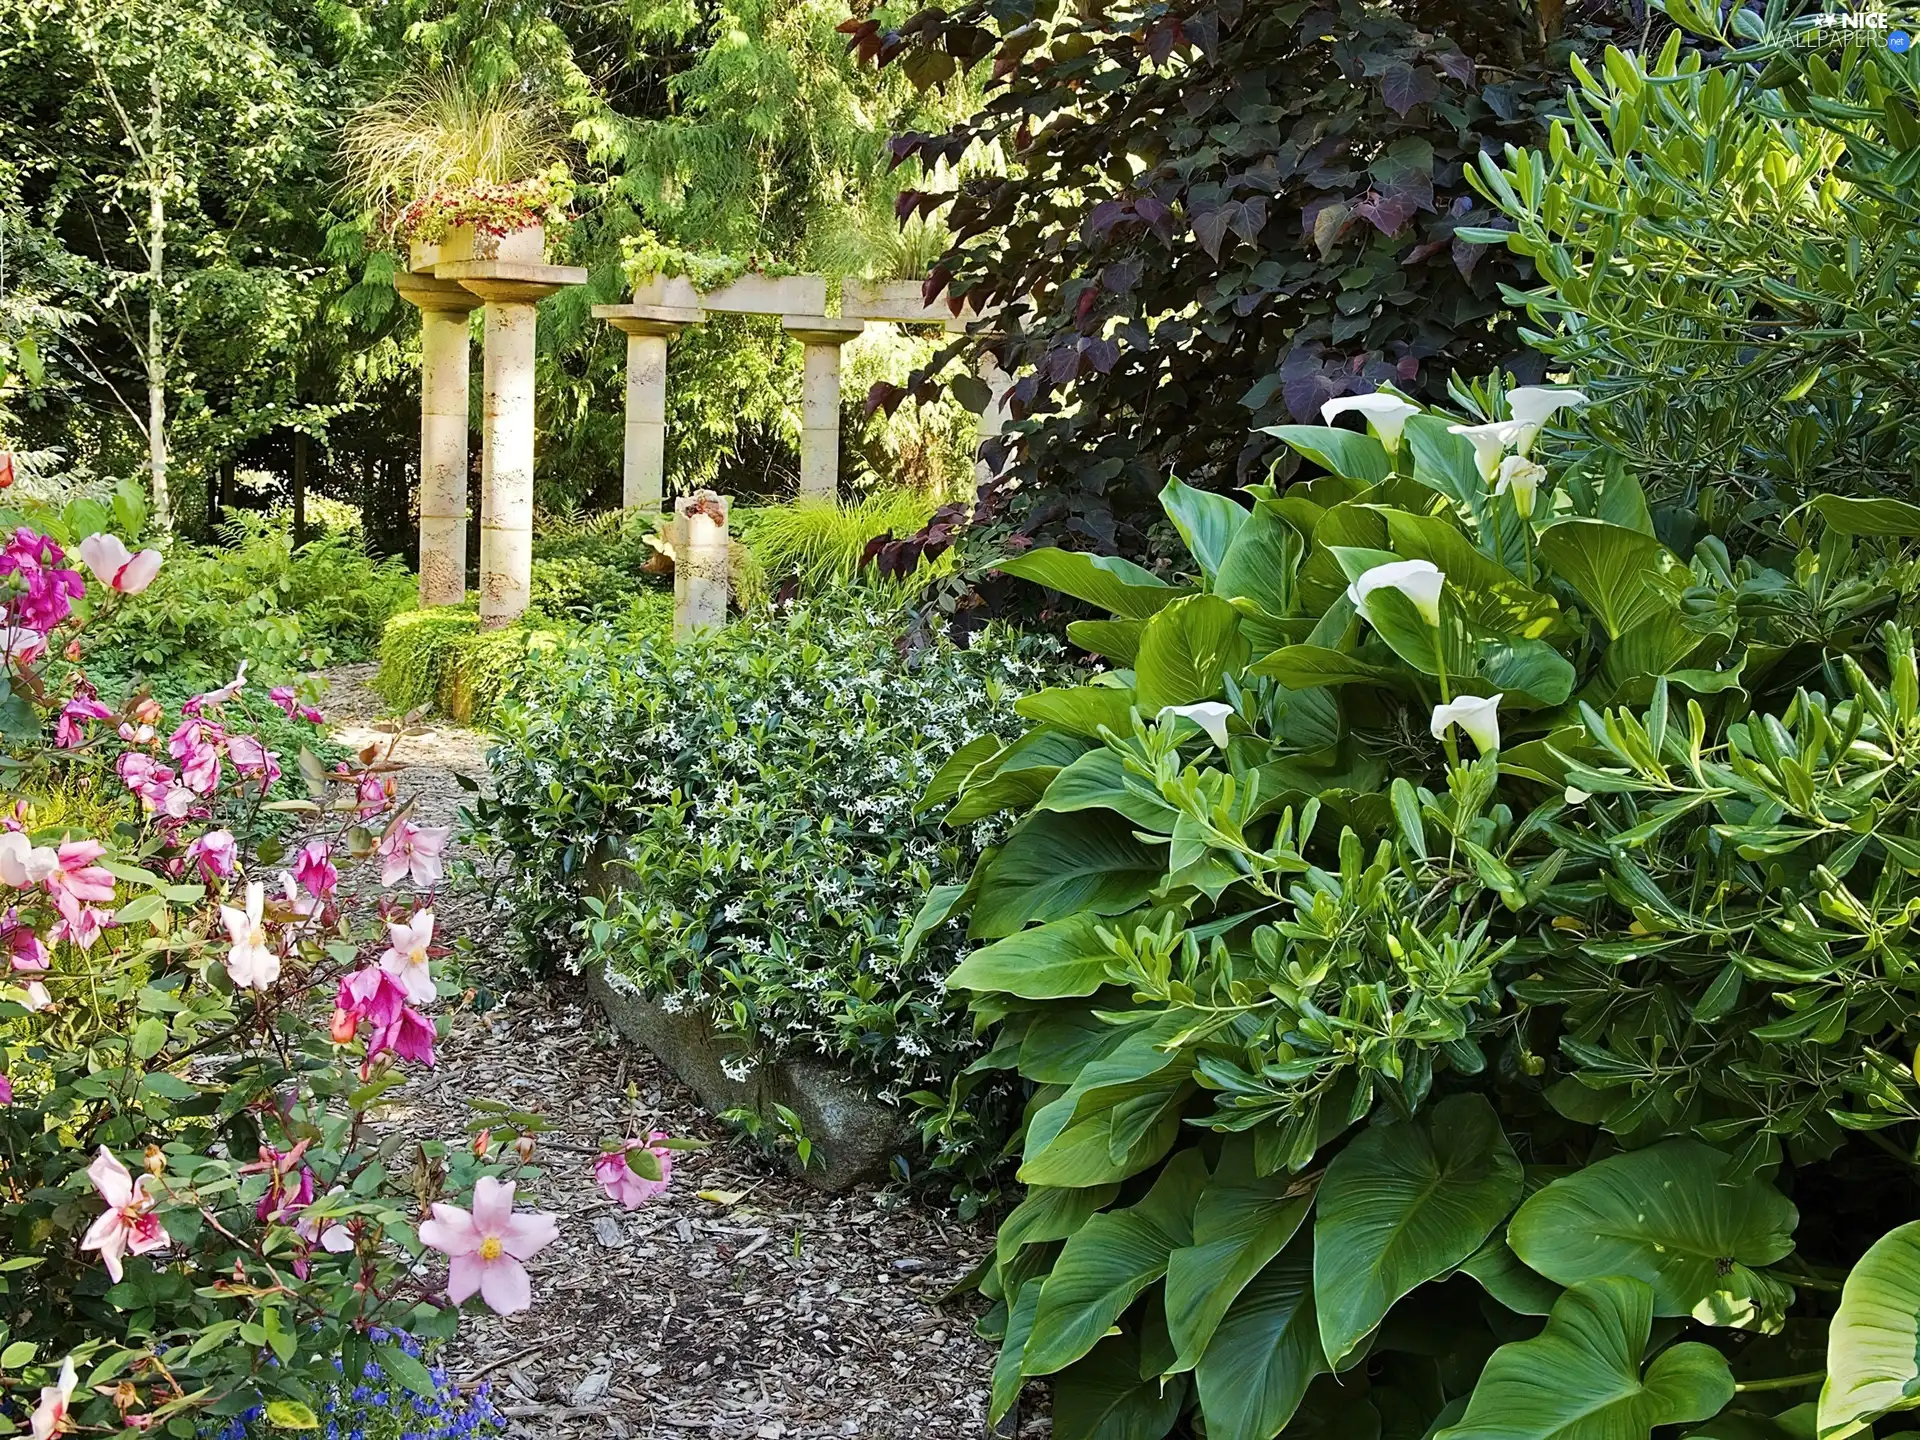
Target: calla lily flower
[[1418, 580], [1491, 442], [1209, 715], [1477, 715], [1521, 478], [1534, 405], [1387, 414]]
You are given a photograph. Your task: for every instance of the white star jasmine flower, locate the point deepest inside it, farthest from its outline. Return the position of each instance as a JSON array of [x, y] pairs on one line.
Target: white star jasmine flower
[[1387, 415], [1418, 580], [1477, 715]]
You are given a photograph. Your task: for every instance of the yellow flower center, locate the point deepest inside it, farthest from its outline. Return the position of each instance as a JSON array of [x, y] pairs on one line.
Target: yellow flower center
[[417, 955], [490, 1248], [258, 937]]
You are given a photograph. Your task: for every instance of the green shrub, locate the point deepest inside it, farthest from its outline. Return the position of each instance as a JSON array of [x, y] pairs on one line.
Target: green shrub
[[259, 600], [754, 794], [1298, 986], [440, 659], [821, 544], [591, 568], [1727, 254]]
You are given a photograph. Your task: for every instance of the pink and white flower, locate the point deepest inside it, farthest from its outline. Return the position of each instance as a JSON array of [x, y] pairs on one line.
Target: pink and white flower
[[217, 854], [50, 1415], [406, 958], [76, 879], [129, 1224], [413, 850], [114, 565], [70, 730], [22, 863], [36, 997], [488, 1247], [313, 867], [251, 961], [410, 1037], [622, 1183]]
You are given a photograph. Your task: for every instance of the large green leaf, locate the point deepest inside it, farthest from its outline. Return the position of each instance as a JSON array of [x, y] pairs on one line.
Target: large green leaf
[[1115, 585], [1526, 672], [1672, 1216], [1445, 462], [1118, 640], [1873, 1344], [1054, 865], [1081, 709], [1242, 1221], [1877, 518], [1186, 650], [1402, 1204], [1491, 596], [1303, 667], [1047, 962], [1580, 1378], [1208, 523], [1264, 1353], [1108, 1262], [1047, 1214], [1007, 1378], [1121, 1133], [1100, 780], [1347, 453], [1261, 564], [1104, 1398], [1624, 577]]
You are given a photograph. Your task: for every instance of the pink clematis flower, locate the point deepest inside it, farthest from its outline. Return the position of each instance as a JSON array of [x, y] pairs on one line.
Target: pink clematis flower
[[23, 863], [129, 1223], [84, 928], [313, 867], [331, 1236], [6, 1091], [76, 878], [114, 565], [373, 794], [50, 1415], [487, 1247], [410, 849], [297, 900], [70, 730], [251, 961], [619, 1180], [147, 778], [216, 853], [371, 995], [406, 957], [26, 952], [196, 745], [45, 594], [219, 697], [410, 1037], [21, 645], [251, 758]]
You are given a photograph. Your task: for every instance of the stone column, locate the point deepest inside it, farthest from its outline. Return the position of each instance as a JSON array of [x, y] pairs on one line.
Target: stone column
[[993, 419], [511, 289], [820, 401], [444, 307], [698, 535], [648, 329]]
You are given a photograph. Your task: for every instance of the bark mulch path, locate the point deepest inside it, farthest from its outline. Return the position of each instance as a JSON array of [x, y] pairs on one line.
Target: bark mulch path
[[765, 1310]]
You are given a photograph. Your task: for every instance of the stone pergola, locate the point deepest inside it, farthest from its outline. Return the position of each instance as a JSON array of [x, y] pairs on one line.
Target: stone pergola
[[449, 283]]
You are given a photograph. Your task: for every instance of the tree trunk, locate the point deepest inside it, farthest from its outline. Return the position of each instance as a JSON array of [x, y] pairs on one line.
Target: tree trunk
[[299, 488], [223, 501], [156, 332]]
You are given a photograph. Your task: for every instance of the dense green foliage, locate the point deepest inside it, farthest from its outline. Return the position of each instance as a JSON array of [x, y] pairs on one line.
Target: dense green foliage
[[1215, 216], [1727, 258], [1299, 988], [730, 825]]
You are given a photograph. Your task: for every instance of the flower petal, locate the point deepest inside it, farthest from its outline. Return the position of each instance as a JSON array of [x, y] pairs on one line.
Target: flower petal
[[504, 1286]]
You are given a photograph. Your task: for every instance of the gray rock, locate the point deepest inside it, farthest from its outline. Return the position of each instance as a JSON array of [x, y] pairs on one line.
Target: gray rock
[[853, 1134]]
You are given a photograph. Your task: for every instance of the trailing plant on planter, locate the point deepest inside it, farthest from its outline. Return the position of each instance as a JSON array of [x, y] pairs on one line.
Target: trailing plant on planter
[[1460, 962], [487, 208]]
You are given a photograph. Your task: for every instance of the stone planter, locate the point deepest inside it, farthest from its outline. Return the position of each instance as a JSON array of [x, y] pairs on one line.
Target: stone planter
[[770, 295], [527, 245], [853, 1134], [422, 257], [895, 300]]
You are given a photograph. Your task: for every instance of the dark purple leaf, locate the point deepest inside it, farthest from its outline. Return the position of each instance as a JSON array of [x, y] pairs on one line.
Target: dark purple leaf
[[1403, 87], [1210, 226], [1454, 63]]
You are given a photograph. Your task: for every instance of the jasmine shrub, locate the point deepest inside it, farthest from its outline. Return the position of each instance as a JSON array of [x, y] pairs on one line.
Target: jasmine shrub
[[730, 825]]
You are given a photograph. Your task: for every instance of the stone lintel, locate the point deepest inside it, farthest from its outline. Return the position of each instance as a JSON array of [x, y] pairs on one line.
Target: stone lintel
[[431, 293], [523, 281], [897, 301], [666, 320], [822, 329]]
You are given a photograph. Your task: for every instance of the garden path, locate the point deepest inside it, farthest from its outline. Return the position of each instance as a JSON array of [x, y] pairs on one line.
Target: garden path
[[742, 1303]]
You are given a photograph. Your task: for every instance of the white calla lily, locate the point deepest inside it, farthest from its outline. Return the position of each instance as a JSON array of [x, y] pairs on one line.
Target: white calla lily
[[1477, 715], [1387, 414], [1491, 442], [1418, 580], [1209, 715], [1534, 405], [1520, 478]]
